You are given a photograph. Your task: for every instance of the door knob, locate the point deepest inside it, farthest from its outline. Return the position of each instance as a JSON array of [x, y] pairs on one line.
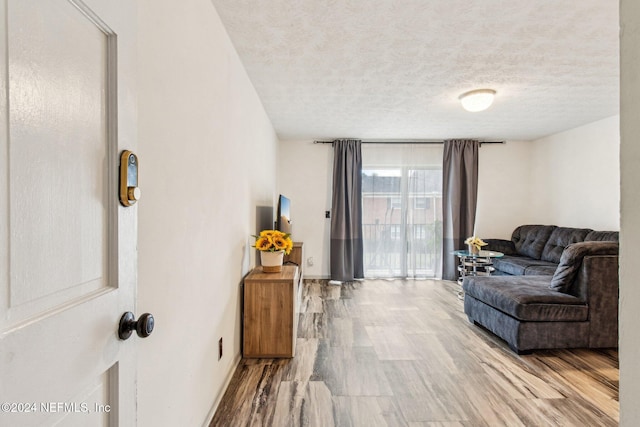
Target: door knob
[[128, 323]]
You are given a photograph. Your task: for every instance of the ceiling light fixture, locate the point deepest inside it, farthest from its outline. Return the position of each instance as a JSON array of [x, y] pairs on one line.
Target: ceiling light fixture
[[477, 100]]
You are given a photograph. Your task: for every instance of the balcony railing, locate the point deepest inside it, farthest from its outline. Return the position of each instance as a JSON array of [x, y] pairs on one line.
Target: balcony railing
[[387, 253]]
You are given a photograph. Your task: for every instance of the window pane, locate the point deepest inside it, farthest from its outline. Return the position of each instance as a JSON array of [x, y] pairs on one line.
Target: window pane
[[382, 222], [402, 210]]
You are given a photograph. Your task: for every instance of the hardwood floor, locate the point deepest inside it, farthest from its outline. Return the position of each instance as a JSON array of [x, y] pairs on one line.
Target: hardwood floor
[[402, 353]]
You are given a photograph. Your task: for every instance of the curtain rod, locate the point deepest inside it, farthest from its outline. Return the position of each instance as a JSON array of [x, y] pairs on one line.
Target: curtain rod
[[408, 142]]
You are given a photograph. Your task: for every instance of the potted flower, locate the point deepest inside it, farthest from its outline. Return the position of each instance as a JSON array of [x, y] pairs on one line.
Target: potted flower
[[474, 243], [273, 245]]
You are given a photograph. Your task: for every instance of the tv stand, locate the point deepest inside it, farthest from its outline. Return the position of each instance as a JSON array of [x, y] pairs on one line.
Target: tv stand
[[296, 256]]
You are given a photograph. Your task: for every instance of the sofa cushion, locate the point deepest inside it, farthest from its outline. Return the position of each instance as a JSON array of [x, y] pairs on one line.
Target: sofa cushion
[[520, 266], [602, 236], [500, 245], [571, 261], [526, 298], [560, 238], [548, 269], [529, 240]]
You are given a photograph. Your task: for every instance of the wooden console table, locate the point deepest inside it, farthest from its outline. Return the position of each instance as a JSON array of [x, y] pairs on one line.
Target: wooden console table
[[270, 315]]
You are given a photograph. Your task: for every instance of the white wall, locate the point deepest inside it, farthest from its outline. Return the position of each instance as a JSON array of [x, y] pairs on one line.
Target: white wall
[[575, 180], [204, 141], [630, 213], [504, 185], [305, 177], [568, 179]]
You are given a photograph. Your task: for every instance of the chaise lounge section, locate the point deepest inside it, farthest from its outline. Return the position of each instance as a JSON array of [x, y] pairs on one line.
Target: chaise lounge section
[[556, 287]]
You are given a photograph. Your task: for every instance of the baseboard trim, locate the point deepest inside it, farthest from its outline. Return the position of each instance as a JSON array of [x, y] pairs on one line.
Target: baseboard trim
[[227, 381]]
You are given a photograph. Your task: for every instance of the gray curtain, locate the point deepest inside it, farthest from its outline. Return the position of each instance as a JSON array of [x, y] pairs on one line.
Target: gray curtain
[[346, 211], [459, 197]]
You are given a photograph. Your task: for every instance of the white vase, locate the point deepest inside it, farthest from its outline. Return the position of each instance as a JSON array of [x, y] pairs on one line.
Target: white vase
[[271, 261]]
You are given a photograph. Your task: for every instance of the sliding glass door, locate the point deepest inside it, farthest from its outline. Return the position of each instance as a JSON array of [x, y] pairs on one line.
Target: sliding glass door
[[402, 213]]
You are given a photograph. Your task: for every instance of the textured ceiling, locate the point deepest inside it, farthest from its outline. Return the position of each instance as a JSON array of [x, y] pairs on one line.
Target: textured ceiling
[[385, 69]]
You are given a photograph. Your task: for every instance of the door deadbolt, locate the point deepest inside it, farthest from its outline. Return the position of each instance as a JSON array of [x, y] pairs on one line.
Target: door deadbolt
[[129, 191]]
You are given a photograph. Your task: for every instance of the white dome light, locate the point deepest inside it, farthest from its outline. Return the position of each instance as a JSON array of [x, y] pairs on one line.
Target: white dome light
[[477, 100]]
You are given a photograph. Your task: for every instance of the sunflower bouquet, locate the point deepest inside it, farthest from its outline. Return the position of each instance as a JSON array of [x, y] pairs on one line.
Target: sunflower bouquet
[[474, 242], [273, 241]]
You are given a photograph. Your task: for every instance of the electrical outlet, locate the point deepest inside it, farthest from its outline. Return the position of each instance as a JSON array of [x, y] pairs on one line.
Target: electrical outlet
[[327, 214], [310, 261], [220, 348]]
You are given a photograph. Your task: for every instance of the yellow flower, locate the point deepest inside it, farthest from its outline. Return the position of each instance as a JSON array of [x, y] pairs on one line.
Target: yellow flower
[[475, 241], [289, 246], [279, 243], [273, 241], [264, 243]]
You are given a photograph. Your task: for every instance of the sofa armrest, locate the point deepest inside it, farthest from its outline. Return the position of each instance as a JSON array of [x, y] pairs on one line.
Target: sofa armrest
[[500, 245], [572, 258], [598, 280]]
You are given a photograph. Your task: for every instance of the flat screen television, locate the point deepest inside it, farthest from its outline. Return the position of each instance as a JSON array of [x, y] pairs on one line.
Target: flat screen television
[[283, 218]]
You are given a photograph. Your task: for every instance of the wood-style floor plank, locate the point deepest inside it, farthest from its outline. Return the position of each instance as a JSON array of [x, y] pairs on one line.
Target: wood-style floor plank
[[402, 353]]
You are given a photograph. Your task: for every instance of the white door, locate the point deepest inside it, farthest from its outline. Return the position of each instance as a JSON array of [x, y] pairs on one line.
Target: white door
[[67, 248]]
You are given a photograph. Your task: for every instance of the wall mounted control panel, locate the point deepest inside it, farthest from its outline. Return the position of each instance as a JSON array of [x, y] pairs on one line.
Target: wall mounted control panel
[[129, 191]]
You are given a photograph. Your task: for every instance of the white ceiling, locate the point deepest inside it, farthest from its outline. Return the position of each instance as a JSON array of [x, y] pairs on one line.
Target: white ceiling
[[393, 69]]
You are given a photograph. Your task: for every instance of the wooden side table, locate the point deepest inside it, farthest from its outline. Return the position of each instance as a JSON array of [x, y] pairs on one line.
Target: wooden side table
[[270, 315]]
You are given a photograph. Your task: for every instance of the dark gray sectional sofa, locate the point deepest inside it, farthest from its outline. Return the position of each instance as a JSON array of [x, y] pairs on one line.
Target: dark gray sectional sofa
[[556, 287]]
